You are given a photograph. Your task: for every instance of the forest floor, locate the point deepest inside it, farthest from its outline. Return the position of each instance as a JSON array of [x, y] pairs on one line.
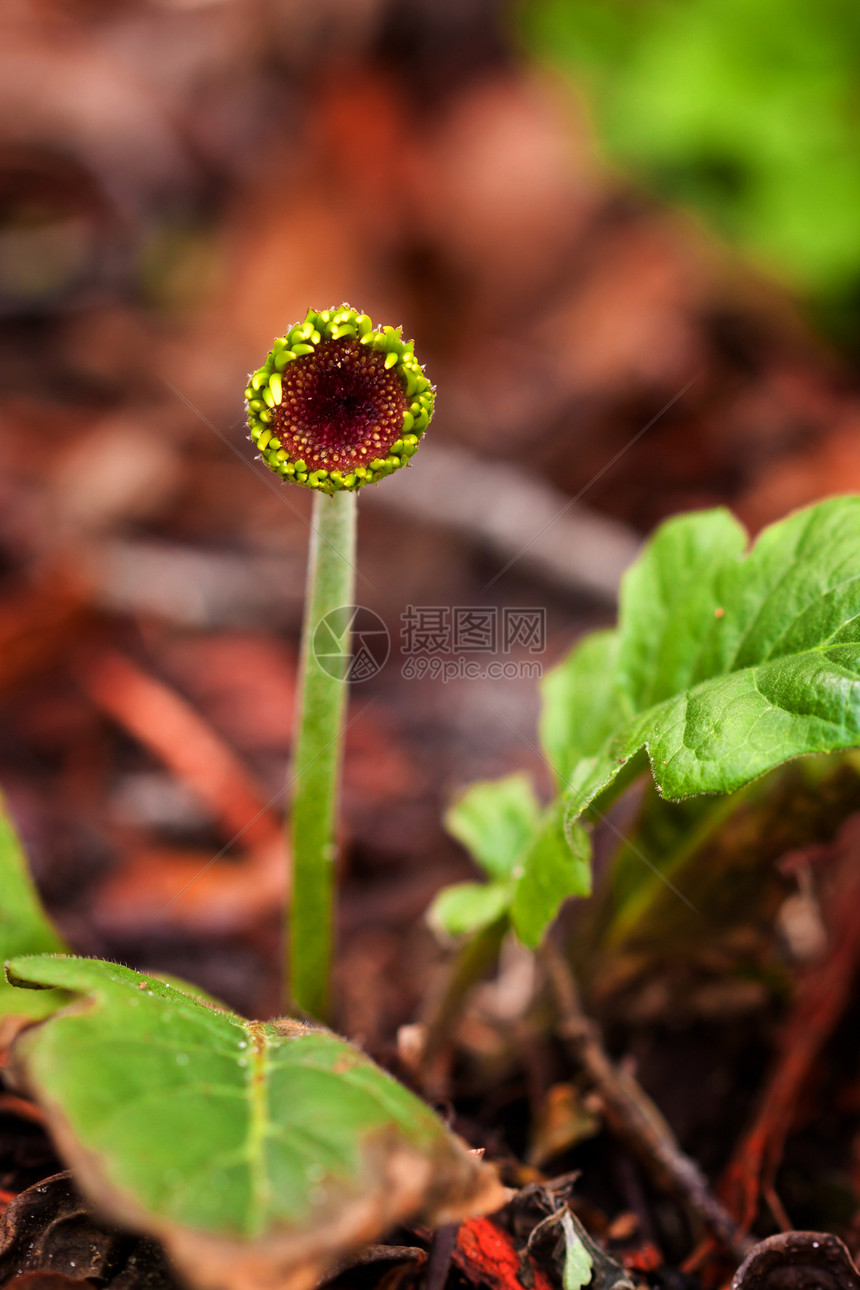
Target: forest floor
[[151, 588]]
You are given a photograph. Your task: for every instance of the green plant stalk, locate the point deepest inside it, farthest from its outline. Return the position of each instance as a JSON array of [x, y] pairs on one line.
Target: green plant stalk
[[317, 760], [469, 964]]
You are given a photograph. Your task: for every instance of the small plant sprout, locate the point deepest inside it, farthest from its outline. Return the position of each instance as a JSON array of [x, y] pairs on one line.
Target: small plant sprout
[[729, 659], [338, 404]]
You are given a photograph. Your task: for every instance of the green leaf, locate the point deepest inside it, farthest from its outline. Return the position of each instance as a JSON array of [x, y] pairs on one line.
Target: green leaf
[[254, 1151], [467, 907], [555, 866], [501, 823], [727, 664], [581, 706], [24, 926], [578, 1263], [523, 849], [495, 821], [668, 599]]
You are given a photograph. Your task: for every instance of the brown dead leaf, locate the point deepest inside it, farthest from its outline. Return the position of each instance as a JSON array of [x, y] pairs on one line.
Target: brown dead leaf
[[49, 1241], [798, 1261]]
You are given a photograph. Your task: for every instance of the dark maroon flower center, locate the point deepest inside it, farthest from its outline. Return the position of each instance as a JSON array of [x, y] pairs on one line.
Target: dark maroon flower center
[[341, 407]]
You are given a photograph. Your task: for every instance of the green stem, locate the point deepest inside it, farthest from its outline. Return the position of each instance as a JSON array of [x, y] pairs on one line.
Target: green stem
[[317, 753], [442, 1011]]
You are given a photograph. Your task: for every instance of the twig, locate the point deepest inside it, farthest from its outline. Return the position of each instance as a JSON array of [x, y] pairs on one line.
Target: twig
[[439, 1258], [374, 1254], [632, 1115]]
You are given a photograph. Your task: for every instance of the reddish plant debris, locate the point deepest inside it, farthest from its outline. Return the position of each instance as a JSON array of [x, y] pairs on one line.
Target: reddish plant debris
[[486, 1255], [823, 992]]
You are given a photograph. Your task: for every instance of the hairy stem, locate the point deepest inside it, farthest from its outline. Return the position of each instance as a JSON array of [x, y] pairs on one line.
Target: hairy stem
[[317, 754], [443, 1009]]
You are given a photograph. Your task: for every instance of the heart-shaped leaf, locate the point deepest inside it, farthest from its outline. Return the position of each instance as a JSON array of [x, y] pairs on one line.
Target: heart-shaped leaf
[[24, 927], [522, 849], [495, 821], [258, 1153], [468, 907]]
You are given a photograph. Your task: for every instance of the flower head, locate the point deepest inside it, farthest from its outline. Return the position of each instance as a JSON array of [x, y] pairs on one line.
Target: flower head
[[337, 403]]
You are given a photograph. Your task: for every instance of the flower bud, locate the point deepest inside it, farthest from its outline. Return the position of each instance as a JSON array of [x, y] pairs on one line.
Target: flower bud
[[338, 403]]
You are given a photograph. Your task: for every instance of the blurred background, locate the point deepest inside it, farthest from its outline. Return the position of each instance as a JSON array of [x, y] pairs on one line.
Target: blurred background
[[625, 236]]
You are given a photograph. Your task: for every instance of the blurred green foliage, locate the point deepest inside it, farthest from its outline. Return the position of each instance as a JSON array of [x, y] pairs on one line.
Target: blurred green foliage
[[748, 113]]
